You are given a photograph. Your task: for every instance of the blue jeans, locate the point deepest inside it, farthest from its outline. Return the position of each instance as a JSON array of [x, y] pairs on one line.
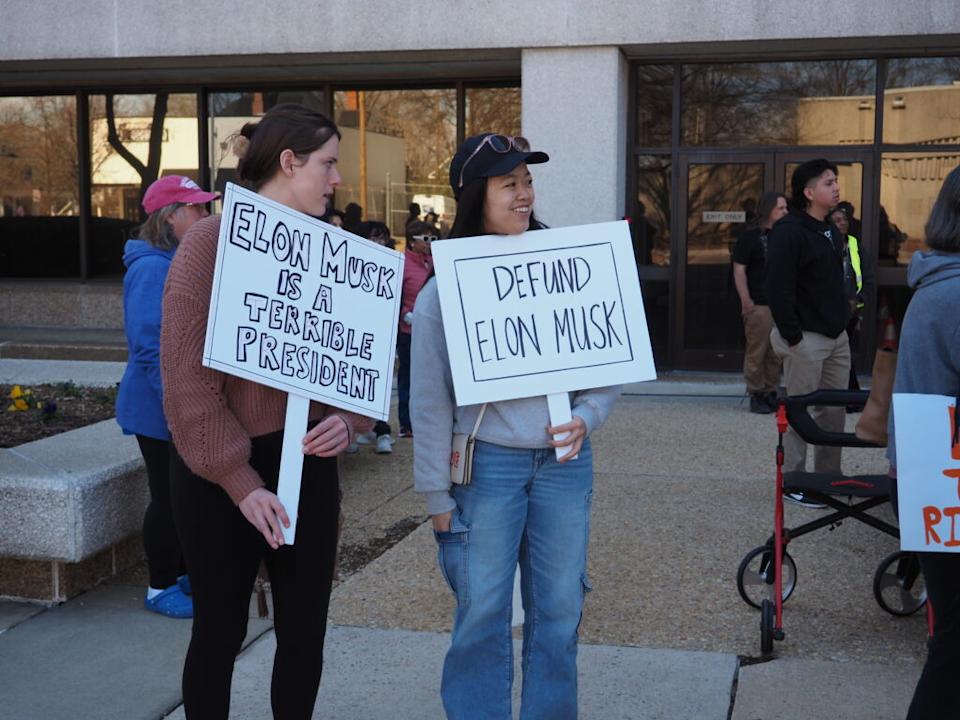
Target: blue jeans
[[522, 506]]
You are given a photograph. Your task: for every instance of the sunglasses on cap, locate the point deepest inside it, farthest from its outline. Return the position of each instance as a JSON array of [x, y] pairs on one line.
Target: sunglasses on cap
[[499, 143], [426, 238]]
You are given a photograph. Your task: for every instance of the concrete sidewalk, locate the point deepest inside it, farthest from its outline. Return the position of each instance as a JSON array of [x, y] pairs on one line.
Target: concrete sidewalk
[[105, 373], [683, 489], [79, 372], [394, 674]]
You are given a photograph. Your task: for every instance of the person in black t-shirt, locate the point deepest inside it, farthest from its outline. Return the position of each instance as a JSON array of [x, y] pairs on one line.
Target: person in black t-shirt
[[761, 366]]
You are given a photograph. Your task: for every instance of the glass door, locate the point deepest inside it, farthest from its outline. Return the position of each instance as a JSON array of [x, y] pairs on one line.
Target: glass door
[[719, 195]]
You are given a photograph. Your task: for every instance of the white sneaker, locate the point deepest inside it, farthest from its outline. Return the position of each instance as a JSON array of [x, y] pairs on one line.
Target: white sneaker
[[367, 438], [384, 444]]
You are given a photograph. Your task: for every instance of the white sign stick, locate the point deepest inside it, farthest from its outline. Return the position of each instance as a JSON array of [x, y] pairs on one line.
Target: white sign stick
[[291, 461], [558, 405]]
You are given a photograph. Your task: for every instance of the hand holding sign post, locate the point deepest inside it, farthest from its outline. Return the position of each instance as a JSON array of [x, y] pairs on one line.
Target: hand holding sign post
[[543, 313], [304, 307]]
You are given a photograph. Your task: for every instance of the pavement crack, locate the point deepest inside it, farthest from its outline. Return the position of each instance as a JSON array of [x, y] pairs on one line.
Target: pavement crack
[[355, 556]]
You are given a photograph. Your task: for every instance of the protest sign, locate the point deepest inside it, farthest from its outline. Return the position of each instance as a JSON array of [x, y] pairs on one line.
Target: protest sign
[[542, 313], [303, 307], [928, 472]]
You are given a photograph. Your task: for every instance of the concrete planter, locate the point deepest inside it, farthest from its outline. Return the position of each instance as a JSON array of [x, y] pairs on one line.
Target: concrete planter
[[71, 508]]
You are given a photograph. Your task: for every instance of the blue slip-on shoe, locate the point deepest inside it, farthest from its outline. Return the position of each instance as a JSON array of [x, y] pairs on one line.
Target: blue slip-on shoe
[[184, 583], [171, 602]]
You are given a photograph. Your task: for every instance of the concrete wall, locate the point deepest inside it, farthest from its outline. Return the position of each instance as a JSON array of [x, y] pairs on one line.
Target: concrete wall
[[575, 109], [143, 28]]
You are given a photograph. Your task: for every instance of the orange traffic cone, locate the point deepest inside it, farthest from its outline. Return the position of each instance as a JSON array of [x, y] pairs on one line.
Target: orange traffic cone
[[888, 341]]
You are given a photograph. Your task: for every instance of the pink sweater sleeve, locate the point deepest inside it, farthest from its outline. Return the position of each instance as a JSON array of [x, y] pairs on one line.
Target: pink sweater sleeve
[[208, 436]]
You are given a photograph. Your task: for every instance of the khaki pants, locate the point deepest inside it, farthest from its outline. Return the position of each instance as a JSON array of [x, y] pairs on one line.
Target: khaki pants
[[761, 366], [815, 363]]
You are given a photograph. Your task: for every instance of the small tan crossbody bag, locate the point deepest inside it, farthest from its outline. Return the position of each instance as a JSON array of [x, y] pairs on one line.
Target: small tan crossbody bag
[[461, 453]]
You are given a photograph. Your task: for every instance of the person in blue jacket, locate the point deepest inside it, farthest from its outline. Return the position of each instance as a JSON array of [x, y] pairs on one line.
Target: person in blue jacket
[[173, 204]]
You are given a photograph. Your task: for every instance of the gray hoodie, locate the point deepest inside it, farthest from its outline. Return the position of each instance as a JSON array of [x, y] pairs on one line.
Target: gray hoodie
[[435, 415], [929, 358]]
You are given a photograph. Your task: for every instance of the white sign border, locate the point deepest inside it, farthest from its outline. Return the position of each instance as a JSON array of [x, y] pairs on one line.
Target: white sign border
[[556, 381], [271, 381], [632, 357]]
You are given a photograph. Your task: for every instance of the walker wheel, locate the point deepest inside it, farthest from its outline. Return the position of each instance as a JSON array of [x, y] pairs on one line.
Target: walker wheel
[[898, 584], [767, 615], [755, 576]]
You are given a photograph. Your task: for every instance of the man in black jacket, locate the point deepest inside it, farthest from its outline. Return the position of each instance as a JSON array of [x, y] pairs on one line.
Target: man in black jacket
[[807, 296]]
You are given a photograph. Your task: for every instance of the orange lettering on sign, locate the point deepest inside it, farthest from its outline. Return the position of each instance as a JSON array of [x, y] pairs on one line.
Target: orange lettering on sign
[[954, 447], [951, 512], [931, 516]]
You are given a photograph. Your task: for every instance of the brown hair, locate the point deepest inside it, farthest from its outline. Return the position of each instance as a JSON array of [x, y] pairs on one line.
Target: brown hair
[[943, 226], [287, 126]]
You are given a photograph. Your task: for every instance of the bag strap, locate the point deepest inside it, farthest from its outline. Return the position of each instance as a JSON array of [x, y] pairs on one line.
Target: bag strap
[[476, 425]]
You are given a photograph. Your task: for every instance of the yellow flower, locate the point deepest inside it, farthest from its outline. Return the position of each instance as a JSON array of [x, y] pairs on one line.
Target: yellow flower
[[16, 392]]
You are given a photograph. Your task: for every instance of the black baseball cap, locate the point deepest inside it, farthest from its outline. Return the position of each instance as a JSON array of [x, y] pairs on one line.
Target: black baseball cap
[[479, 157]]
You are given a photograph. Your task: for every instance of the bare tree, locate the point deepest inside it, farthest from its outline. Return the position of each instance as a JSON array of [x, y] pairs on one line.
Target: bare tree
[[150, 171]]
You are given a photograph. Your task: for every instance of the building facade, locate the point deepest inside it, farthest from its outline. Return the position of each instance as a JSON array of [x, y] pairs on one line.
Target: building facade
[[677, 115]]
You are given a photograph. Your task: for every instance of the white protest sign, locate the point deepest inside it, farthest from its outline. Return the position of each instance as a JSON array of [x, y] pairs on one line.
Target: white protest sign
[[542, 313], [928, 472], [303, 307]]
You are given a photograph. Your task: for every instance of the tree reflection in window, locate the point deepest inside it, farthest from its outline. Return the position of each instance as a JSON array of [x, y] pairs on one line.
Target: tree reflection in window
[[763, 103]]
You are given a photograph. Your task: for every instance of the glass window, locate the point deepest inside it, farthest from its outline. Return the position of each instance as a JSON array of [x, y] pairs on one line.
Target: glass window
[[230, 111], [650, 228], [721, 203], [396, 150], [921, 102], [650, 216], [909, 184], [134, 139], [493, 110], [39, 187], [829, 102], [654, 105]]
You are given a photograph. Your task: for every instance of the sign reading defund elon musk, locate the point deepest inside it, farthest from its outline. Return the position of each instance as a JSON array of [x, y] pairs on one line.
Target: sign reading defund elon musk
[[544, 312]]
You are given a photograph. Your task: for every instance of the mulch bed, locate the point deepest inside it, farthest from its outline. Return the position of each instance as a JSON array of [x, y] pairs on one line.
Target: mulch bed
[[62, 407]]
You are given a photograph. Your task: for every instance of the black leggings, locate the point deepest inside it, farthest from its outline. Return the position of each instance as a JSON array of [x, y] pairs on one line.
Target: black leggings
[[164, 557], [936, 696], [223, 553]]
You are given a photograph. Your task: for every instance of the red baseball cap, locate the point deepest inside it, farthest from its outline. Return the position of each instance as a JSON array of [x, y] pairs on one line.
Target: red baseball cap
[[174, 189]]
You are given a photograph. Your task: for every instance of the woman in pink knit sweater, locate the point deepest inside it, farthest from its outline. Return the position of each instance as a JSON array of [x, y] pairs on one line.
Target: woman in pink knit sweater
[[226, 441]]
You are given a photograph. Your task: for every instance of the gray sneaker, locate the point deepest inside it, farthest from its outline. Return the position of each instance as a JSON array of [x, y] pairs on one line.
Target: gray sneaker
[[367, 438], [384, 444]]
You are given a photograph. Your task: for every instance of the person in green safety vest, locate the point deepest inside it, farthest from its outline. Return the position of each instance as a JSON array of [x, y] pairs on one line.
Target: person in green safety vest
[[854, 281]]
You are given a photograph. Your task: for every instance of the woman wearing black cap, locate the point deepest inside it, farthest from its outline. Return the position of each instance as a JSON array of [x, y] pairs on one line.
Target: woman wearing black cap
[[523, 505]]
